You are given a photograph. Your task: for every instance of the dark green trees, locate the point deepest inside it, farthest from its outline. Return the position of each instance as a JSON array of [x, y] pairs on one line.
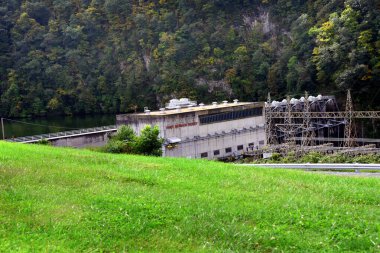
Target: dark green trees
[[347, 53], [110, 56]]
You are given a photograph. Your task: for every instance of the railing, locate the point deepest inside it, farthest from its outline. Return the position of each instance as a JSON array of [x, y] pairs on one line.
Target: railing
[[223, 134], [320, 166], [329, 139], [60, 135], [326, 115]]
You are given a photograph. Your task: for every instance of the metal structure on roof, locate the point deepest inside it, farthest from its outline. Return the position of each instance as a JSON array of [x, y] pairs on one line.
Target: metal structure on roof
[[180, 103]]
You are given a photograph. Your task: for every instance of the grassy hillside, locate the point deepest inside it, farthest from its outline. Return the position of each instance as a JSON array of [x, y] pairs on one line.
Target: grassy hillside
[[55, 199]]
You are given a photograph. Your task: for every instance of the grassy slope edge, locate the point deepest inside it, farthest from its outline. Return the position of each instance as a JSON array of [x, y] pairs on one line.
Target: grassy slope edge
[[56, 199]]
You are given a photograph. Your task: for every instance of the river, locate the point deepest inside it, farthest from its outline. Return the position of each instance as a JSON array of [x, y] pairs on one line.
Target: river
[[34, 126]]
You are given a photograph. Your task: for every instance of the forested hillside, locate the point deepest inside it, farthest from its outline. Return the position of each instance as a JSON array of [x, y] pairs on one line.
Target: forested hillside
[[108, 56]]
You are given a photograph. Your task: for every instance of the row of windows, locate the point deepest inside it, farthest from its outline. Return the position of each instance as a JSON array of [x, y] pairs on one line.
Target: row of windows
[[229, 150], [219, 117]]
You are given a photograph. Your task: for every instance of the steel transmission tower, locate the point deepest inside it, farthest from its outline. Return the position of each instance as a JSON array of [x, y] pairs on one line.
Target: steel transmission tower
[[349, 128], [307, 130], [288, 123], [270, 136]]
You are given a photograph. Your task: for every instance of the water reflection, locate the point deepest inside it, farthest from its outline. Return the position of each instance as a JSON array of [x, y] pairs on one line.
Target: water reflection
[[54, 124]]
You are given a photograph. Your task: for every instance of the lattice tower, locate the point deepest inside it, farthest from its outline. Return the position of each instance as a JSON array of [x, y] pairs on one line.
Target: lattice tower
[[306, 126], [288, 122], [349, 129], [269, 129]]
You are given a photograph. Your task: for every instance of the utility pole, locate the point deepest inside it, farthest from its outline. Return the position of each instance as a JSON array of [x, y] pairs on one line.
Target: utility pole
[[2, 128]]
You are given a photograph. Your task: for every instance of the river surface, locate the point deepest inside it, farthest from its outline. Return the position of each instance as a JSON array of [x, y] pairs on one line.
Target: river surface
[[34, 126]]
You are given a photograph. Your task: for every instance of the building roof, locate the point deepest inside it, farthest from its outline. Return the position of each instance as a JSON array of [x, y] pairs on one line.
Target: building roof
[[201, 108]]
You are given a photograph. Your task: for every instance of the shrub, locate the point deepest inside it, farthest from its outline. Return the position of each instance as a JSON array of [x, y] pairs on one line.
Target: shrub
[[335, 158], [126, 141], [370, 158], [43, 142], [115, 146], [290, 158], [275, 157], [315, 157], [149, 142], [312, 157], [124, 133]]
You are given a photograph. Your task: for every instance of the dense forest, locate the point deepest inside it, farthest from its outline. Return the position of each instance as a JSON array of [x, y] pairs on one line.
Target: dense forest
[[110, 56]]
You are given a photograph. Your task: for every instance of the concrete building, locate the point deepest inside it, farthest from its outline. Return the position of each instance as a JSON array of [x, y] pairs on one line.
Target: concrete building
[[203, 131]]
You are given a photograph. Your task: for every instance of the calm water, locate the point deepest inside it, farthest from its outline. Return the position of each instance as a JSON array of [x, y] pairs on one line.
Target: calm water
[[54, 124]]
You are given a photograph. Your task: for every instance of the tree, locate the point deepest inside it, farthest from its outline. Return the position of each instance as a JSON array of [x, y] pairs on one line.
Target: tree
[[345, 55], [125, 133], [11, 97], [111, 56], [125, 141], [292, 76], [149, 142]]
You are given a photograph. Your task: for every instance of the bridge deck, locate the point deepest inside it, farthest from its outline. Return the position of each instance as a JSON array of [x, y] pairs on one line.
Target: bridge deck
[[62, 135]]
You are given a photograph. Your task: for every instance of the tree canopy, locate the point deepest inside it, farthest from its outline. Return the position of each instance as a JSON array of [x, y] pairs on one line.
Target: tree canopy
[[112, 56]]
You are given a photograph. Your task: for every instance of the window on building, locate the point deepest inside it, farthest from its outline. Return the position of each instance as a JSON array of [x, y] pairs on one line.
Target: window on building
[[251, 144], [216, 152], [225, 116], [240, 147], [204, 155], [261, 142], [228, 150]]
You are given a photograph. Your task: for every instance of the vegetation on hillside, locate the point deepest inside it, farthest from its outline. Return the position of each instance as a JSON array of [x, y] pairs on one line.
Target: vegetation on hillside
[[66, 200], [107, 56]]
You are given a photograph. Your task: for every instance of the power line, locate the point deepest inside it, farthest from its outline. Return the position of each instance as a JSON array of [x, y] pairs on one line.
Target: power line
[[33, 124]]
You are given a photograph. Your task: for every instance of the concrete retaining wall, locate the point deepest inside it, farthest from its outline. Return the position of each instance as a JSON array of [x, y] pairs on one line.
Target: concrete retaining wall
[[81, 141]]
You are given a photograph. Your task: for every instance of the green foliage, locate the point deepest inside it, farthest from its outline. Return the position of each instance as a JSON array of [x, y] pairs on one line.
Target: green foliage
[[344, 49], [315, 157], [43, 142], [312, 157], [275, 157], [125, 141], [111, 56], [149, 142], [371, 158], [290, 158], [116, 146], [336, 158], [124, 133]]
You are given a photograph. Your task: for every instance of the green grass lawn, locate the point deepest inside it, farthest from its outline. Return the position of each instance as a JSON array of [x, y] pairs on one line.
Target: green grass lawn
[[54, 199]]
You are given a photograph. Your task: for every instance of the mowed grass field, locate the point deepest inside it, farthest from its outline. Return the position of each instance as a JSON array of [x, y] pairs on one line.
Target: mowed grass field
[[67, 200]]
